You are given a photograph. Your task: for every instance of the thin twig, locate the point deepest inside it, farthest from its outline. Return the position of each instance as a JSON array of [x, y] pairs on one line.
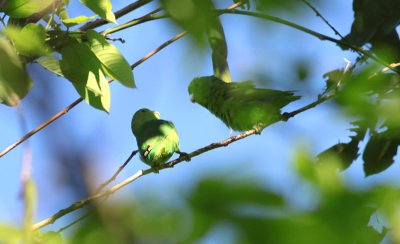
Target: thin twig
[[145, 18], [129, 8], [101, 187], [82, 203], [322, 17], [308, 31], [73, 222], [287, 116]]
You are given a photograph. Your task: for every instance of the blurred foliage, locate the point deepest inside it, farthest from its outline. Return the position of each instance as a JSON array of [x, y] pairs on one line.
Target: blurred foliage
[[253, 213]]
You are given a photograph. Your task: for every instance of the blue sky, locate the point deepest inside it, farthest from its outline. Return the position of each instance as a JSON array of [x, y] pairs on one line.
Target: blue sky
[[257, 49]]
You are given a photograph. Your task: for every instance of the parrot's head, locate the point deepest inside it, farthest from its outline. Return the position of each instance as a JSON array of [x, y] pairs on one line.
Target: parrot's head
[[141, 117], [200, 89]]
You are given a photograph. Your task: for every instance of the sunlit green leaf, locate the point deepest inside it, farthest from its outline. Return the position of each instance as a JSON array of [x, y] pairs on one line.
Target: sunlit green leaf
[[25, 8], [52, 64], [77, 20], [49, 237], [84, 70], [36, 35], [115, 65], [14, 81], [10, 234], [101, 7]]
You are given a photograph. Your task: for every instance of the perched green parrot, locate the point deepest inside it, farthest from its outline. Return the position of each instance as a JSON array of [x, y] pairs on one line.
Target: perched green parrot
[[157, 139], [240, 105]]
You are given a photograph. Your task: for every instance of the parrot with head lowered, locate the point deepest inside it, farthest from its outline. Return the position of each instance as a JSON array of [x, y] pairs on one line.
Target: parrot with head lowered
[[156, 139], [240, 105]]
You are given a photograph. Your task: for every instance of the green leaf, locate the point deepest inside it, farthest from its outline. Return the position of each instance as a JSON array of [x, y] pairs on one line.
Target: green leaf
[[36, 35], [193, 16], [49, 237], [14, 81], [84, 70], [25, 8], [30, 203], [77, 20], [346, 153], [51, 64], [115, 65], [379, 152], [102, 8], [10, 234]]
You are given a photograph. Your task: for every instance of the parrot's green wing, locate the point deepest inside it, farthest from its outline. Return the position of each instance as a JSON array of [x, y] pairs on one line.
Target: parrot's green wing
[[240, 105], [246, 91], [157, 141]]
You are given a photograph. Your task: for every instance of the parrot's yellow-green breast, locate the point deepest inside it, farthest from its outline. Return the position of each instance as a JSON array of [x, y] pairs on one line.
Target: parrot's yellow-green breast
[[157, 139]]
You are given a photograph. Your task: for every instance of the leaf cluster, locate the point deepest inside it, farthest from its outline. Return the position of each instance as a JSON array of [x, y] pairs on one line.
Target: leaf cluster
[[85, 58]]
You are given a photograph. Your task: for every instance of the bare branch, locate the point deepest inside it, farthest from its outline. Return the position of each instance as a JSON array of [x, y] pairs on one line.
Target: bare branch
[[145, 18], [322, 17], [82, 203], [101, 187], [131, 7], [308, 31]]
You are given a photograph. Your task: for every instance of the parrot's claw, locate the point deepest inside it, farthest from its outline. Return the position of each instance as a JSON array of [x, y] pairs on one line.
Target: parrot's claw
[[183, 156], [156, 169], [258, 130]]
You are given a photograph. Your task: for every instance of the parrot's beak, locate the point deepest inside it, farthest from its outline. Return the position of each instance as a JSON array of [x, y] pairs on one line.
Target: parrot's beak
[[157, 114], [192, 98]]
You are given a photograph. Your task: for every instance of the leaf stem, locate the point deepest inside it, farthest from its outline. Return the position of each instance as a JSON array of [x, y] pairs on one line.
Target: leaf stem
[[308, 31]]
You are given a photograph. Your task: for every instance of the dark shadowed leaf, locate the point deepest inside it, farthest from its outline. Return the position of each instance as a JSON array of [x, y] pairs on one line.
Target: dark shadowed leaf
[[346, 153], [115, 65], [14, 81], [380, 151], [373, 18], [101, 7], [332, 80]]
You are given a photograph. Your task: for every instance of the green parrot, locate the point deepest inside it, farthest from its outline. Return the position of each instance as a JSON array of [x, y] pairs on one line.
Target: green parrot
[[156, 139], [240, 105]]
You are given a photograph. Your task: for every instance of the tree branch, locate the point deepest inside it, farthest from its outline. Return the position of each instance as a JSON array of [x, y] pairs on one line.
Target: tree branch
[[308, 31], [145, 18], [322, 17], [101, 187], [129, 8], [82, 203]]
